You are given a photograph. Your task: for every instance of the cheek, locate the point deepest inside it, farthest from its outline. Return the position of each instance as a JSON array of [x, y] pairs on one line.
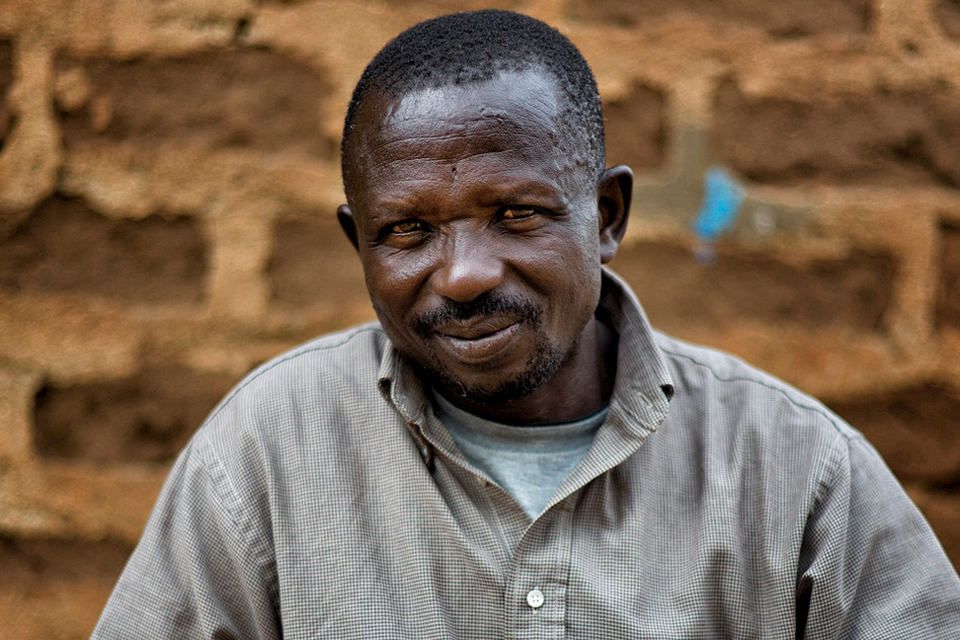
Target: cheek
[[575, 260], [559, 247], [393, 283], [567, 277], [578, 277]]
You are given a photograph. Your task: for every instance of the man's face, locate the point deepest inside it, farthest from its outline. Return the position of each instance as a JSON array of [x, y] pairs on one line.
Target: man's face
[[480, 240]]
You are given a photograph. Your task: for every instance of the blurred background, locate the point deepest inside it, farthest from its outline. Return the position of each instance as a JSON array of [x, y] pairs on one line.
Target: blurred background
[[169, 176]]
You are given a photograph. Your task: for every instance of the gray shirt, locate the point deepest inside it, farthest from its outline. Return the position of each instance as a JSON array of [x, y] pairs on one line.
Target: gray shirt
[[324, 499], [529, 463]]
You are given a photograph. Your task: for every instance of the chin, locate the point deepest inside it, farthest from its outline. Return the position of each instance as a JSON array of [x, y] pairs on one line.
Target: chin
[[542, 367]]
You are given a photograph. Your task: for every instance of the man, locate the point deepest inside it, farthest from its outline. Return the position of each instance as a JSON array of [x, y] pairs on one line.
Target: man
[[512, 452]]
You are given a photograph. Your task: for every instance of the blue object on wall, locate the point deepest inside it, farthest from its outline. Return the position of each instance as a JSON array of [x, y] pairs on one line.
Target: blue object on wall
[[722, 198]]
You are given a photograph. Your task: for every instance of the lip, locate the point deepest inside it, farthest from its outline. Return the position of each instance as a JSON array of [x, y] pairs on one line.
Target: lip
[[478, 343], [475, 329]]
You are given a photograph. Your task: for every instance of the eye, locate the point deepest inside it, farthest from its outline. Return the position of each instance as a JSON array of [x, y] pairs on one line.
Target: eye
[[518, 213], [407, 226], [403, 234]]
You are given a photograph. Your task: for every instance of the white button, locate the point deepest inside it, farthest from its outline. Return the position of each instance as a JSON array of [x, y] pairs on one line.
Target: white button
[[535, 599]]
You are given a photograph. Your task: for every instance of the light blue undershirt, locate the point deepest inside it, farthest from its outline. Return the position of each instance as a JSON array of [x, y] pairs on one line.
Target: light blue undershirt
[[529, 463]]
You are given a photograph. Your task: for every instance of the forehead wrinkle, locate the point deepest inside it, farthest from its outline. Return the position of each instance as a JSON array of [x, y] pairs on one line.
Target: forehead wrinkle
[[488, 164], [494, 151], [490, 129], [435, 101], [477, 106], [401, 141], [506, 188]]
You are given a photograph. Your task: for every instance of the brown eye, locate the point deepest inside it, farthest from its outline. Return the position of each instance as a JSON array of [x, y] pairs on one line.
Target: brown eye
[[408, 226], [518, 213]]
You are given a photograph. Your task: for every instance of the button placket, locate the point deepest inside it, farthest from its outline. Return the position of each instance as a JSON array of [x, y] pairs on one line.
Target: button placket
[[536, 589]]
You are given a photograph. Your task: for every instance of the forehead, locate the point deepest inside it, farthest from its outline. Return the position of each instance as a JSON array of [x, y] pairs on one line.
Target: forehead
[[517, 101], [513, 118]]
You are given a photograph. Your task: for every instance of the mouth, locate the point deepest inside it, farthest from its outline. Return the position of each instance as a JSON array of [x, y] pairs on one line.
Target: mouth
[[479, 342]]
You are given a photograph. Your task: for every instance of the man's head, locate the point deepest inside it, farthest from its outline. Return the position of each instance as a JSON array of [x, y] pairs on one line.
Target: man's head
[[481, 212]]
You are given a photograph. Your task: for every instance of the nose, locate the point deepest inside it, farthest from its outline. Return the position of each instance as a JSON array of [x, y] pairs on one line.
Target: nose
[[468, 268]]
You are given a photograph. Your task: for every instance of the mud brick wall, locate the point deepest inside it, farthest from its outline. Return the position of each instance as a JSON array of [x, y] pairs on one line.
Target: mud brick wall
[[169, 175]]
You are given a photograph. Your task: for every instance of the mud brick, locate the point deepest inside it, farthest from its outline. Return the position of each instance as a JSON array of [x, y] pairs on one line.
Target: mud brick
[[6, 79], [65, 246], [915, 429], [147, 417], [677, 291], [947, 13], [313, 264], [636, 129], [948, 295], [783, 19], [238, 98], [886, 138], [55, 588]]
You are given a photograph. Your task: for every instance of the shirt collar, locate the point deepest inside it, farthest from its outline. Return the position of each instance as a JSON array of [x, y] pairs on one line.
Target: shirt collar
[[643, 387], [641, 392]]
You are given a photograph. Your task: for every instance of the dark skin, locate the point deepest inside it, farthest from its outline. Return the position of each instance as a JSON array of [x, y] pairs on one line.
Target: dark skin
[[482, 244]]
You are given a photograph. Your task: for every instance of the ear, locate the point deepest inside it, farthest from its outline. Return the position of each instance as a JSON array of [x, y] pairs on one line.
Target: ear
[[614, 191], [348, 224]]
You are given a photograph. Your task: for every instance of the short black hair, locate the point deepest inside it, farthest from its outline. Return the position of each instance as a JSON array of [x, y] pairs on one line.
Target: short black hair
[[475, 46]]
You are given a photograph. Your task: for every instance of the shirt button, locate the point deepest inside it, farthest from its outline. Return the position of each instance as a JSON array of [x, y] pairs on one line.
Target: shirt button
[[535, 599]]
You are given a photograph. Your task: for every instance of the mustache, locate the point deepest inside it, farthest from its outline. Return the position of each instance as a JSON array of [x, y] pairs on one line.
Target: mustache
[[488, 304]]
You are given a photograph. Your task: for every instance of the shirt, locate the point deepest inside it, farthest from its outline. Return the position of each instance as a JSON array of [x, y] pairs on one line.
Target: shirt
[[323, 499]]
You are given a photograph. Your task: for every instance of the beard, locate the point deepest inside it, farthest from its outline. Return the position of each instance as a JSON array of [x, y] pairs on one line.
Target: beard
[[543, 364], [541, 367]]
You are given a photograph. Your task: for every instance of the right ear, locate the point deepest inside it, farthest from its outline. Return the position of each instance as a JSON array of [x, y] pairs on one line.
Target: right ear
[[348, 224]]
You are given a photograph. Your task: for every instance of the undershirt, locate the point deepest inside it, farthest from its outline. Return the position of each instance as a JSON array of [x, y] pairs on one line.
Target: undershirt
[[528, 462]]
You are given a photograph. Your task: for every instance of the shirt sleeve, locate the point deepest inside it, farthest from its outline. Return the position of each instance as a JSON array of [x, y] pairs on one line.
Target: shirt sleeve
[[201, 569], [870, 566]]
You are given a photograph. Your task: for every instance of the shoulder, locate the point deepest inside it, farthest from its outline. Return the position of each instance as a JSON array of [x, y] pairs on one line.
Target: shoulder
[[294, 415], [338, 361], [343, 352], [742, 428], [712, 382], [316, 383]]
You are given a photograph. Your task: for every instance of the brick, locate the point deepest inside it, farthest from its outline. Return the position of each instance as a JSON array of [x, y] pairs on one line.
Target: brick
[[947, 13], [6, 79], [65, 246], [781, 19], [26, 561], [678, 292], [886, 138], [915, 429], [55, 588], [942, 510], [238, 98], [438, 7], [313, 264], [948, 295], [636, 129], [147, 417]]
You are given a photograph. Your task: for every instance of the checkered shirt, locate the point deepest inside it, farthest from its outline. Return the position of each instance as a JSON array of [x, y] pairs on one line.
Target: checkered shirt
[[323, 499]]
